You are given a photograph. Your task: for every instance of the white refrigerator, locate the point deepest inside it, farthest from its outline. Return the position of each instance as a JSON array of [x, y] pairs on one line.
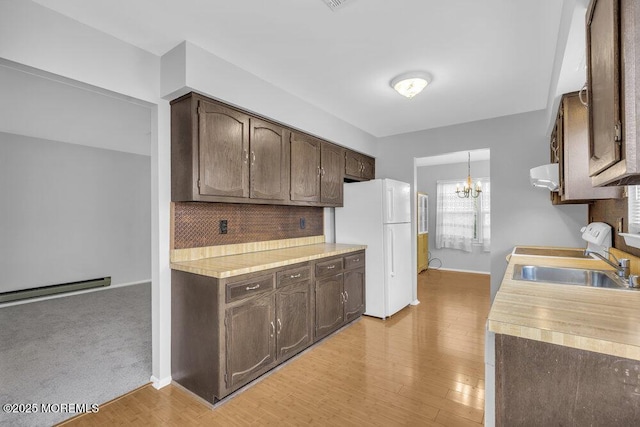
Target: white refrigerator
[[377, 213]]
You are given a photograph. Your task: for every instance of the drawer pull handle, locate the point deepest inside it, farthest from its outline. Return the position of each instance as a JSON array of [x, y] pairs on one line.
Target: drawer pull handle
[[331, 267], [356, 260], [295, 276], [251, 288]]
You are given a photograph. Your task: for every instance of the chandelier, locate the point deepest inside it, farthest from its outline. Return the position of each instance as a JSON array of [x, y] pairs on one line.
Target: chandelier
[[467, 190]]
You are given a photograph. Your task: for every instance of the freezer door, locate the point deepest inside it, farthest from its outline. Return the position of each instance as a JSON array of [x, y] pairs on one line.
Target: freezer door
[[397, 202], [398, 267]]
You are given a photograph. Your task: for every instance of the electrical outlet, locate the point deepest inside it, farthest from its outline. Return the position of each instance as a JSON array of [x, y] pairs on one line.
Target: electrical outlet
[[223, 226], [303, 223]]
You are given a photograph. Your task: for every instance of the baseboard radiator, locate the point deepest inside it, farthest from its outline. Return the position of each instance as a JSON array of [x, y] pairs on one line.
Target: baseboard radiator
[[54, 289]]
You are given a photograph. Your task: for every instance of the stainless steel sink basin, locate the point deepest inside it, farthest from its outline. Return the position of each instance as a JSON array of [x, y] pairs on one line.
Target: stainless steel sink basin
[[569, 276]]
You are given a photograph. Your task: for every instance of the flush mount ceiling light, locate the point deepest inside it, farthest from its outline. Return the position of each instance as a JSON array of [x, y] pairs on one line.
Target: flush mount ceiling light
[[410, 84]]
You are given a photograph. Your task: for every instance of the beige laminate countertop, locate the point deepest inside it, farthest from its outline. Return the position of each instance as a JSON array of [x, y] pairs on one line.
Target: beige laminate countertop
[[595, 319], [234, 265]]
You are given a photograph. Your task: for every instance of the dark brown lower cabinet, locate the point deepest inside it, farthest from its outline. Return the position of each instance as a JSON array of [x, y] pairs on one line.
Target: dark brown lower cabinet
[[354, 294], [294, 323], [329, 305], [227, 332], [250, 339], [340, 292], [542, 384]]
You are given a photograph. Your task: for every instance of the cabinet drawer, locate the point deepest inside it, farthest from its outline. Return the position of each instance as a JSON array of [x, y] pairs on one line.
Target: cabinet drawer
[[326, 268], [293, 275], [354, 261], [249, 287]]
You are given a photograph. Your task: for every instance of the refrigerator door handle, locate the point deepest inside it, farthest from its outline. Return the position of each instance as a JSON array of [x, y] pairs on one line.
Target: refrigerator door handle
[[390, 205], [392, 249]]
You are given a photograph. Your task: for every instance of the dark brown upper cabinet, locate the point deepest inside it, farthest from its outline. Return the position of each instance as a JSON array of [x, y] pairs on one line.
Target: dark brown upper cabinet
[[332, 174], [305, 168], [358, 167], [269, 160], [570, 148], [223, 149], [220, 154], [316, 171], [613, 38]]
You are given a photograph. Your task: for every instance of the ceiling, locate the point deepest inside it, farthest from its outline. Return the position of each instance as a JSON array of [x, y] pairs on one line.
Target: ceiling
[[488, 58]]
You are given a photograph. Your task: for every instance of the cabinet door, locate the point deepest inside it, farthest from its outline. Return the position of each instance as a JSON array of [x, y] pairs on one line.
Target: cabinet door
[[332, 166], [329, 305], [368, 168], [269, 157], [305, 168], [353, 294], [353, 164], [250, 339], [559, 135], [603, 77], [223, 151], [575, 183], [293, 319]]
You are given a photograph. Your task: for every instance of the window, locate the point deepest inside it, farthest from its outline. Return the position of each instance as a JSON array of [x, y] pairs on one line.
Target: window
[[633, 192], [423, 213], [463, 222]]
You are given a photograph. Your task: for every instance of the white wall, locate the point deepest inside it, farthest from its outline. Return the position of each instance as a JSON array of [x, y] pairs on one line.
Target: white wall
[[72, 213], [477, 260], [520, 214]]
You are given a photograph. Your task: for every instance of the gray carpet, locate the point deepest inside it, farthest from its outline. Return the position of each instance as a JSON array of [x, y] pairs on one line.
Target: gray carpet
[[80, 349]]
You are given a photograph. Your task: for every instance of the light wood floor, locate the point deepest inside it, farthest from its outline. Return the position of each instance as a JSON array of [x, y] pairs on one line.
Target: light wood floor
[[424, 366]]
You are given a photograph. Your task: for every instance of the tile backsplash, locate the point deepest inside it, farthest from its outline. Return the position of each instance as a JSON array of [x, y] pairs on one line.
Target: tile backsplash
[[197, 224]]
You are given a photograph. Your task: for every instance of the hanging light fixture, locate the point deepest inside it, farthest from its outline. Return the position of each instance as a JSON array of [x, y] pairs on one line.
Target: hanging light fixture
[[410, 84], [467, 189]]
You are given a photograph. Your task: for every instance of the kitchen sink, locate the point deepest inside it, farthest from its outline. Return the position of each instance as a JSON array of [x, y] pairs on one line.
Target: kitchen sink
[[569, 276]]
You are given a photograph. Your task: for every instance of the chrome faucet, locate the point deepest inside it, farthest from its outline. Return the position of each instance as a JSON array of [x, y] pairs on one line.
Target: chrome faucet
[[622, 266]]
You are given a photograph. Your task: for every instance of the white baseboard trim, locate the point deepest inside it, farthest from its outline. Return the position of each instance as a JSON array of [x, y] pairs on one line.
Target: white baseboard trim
[[415, 302], [68, 294], [464, 271], [158, 384]]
